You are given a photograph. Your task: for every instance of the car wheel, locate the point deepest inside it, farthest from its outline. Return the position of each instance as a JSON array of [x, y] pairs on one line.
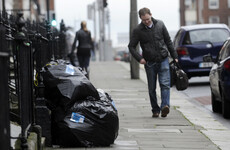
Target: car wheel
[[216, 105], [225, 107]]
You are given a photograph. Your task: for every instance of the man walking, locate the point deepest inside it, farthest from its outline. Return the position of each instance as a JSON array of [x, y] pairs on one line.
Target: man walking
[[155, 42]]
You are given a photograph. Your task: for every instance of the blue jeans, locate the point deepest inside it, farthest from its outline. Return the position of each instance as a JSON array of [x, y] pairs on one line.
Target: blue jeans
[[160, 70]]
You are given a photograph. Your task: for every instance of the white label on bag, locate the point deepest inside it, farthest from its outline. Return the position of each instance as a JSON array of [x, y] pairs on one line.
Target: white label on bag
[[76, 117], [70, 69]]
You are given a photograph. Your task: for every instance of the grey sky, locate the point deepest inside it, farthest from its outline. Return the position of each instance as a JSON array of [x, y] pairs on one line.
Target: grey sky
[[74, 11]]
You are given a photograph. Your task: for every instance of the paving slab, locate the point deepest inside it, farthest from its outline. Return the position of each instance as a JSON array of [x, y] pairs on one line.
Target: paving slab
[[137, 129]]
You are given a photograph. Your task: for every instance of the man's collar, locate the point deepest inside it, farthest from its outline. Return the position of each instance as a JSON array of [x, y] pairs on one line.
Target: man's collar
[[151, 25], [154, 21]]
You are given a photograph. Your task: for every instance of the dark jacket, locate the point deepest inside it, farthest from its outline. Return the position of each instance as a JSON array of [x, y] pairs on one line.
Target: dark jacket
[[155, 42], [84, 42]]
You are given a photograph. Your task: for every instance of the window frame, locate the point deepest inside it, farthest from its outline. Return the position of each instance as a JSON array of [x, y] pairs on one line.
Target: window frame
[[211, 18], [210, 6]]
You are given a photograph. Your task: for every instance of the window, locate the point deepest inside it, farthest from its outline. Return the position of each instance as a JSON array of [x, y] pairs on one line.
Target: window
[[190, 22], [187, 39], [213, 35], [228, 3], [190, 4], [214, 19], [213, 4], [224, 53], [177, 38]]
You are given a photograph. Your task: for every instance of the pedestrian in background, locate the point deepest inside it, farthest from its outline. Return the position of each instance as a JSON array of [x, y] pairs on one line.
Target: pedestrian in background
[[70, 35], [156, 43], [83, 36]]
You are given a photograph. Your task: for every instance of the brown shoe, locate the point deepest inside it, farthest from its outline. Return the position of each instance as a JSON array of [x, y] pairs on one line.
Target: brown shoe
[[155, 115], [165, 111]]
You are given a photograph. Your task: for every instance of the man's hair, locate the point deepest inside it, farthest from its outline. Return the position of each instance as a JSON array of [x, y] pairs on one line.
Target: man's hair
[[144, 11]]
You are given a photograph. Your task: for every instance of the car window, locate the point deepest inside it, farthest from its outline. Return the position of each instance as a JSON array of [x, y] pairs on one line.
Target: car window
[[187, 39], [225, 51], [177, 38], [208, 35]]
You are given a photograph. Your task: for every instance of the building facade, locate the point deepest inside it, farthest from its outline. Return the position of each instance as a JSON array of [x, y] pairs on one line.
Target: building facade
[[204, 11], [32, 9]]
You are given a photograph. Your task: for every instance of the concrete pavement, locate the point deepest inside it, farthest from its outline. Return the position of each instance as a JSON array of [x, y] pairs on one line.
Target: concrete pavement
[[185, 128], [212, 129]]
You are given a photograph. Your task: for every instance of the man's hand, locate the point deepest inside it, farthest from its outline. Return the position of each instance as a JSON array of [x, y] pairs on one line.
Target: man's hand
[[142, 61], [176, 60]]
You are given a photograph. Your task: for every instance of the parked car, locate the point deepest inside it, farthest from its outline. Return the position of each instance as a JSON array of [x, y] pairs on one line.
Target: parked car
[[122, 55], [194, 41], [220, 80]]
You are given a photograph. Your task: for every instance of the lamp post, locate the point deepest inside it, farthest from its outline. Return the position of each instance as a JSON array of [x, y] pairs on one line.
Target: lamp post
[[101, 30], [3, 6], [48, 9], [134, 65]]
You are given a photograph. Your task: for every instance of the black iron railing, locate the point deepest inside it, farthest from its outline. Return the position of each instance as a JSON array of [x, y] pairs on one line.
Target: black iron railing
[[4, 90], [25, 48]]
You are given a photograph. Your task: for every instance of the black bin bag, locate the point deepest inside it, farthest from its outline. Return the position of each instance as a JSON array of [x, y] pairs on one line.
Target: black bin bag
[[65, 84], [88, 123]]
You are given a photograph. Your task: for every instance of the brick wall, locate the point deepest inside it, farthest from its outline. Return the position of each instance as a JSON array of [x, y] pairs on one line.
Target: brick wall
[[223, 12]]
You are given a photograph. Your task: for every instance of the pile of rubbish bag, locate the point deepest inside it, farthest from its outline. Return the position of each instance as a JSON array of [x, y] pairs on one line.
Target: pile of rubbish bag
[[81, 115]]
